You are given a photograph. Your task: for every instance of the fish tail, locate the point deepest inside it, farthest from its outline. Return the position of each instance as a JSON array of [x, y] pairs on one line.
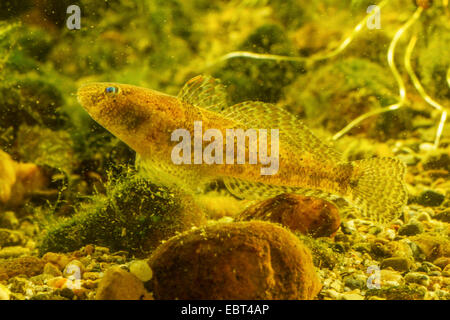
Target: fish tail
[[378, 188]]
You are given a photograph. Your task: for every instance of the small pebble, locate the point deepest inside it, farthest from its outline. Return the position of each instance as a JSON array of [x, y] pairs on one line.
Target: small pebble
[[423, 216], [430, 198], [417, 277], [74, 268], [396, 263], [412, 228], [9, 220], [11, 238], [141, 270], [13, 252], [56, 258], [442, 262], [443, 216], [356, 281], [118, 284], [390, 278], [426, 147], [351, 296], [4, 293], [91, 275]]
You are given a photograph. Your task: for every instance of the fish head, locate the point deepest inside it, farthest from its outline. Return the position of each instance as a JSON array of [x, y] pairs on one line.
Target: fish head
[[130, 112]]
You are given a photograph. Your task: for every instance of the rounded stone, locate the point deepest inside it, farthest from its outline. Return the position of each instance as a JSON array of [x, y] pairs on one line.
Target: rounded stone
[[141, 270], [29, 266], [307, 215], [430, 198], [240, 260], [411, 228], [396, 263], [119, 284]]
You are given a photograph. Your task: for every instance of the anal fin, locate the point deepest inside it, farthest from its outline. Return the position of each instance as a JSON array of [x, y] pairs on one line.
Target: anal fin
[[171, 175]]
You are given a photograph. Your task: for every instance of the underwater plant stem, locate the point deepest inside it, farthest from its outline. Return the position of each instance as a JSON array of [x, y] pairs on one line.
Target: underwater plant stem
[[421, 90], [397, 76], [364, 116], [414, 78], [440, 128], [314, 57]]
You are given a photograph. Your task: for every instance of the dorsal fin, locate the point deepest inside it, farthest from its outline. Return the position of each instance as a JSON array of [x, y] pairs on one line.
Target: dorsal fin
[[293, 132], [204, 92]]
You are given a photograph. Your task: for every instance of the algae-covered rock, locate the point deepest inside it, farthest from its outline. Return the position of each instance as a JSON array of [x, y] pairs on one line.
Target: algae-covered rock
[[306, 215], [28, 265], [324, 251], [241, 260], [135, 216]]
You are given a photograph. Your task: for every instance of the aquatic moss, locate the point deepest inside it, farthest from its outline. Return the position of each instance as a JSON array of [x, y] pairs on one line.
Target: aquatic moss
[[134, 216], [323, 251]]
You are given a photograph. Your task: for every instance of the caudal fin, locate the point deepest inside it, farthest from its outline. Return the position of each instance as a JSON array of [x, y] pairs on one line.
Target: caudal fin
[[379, 189]]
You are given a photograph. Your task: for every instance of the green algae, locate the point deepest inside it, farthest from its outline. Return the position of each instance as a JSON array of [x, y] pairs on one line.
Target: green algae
[[135, 215], [260, 80], [324, 251]]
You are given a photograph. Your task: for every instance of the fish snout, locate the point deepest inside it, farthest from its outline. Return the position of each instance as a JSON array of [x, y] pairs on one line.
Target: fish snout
[[89, 95]]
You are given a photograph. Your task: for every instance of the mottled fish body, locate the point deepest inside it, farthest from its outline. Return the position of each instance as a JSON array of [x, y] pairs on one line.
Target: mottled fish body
[[145, 119]]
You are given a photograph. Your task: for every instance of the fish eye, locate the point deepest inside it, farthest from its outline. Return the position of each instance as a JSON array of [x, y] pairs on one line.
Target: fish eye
[[112, 90]]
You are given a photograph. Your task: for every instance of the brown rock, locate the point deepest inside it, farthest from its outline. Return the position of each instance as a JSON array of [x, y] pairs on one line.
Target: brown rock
[[119, 284], [59, 259], [311, 216], [241, 260], [397, 263], [29, 266]]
